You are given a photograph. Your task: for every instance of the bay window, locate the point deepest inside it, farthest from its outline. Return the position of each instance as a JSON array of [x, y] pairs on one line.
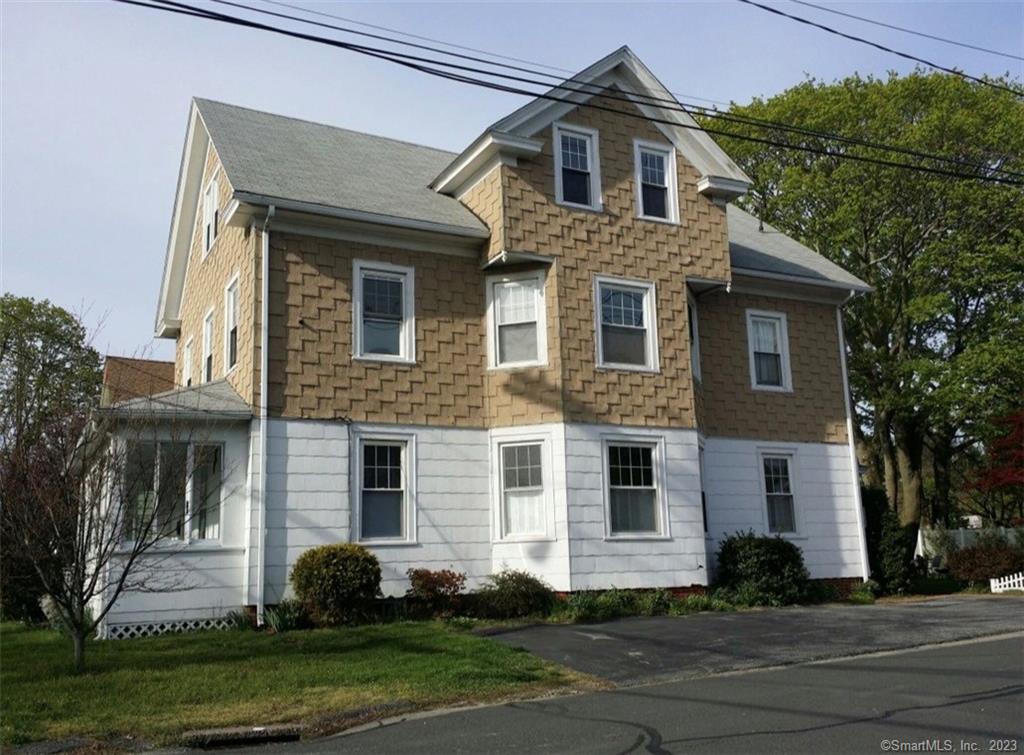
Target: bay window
[[522, 490], [518, 331], [634, 507]]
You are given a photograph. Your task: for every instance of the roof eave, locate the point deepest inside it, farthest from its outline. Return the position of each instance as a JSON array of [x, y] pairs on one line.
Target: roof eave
[[488, 146], [857, 286]]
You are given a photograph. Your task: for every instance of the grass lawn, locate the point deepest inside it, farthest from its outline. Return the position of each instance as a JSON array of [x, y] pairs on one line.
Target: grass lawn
[[156, 688]]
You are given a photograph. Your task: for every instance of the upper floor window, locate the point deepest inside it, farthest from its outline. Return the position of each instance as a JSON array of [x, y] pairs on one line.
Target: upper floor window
[[385, 498], [657, 196], [383, 321], [231, 324], [186, 366], [207, 366], [627, 335], [694, 332], [518, 331], [768, 342], [211, 215], [577, 167], [778, 489]]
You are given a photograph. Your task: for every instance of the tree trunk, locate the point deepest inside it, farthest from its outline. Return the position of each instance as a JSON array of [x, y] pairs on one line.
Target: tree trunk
[[883, 437], [78, 637], [909, 452], [942, 468]]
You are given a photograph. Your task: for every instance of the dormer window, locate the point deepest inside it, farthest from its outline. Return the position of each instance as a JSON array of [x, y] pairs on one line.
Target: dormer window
[[577, 167], [657, 197], [211, 216]]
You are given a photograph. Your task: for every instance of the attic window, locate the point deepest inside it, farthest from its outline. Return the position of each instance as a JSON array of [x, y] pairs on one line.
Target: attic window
[[211, 215], [577, 167], [657, 196]]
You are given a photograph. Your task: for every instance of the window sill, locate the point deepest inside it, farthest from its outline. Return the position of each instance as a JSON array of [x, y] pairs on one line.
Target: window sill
[[382, 359], [635, 538], [182, 547], [387, 543], [771, 389], [585, 207], [514, 540], [517, 366], [628, 368], [653, 219]]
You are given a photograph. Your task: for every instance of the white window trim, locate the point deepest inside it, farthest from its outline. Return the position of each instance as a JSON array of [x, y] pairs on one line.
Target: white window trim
[[229, 368], [693, 315], [498, 441], [186, 358], [790, 453], [492, 321], [407, 340], [207, 347], [650, 313], [672, 189], [656, 442], [787, 377], [213, 183], [596, 200], [362, 437]]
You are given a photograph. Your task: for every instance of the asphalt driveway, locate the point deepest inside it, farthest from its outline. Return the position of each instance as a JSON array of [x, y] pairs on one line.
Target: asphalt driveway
[[646, 650]]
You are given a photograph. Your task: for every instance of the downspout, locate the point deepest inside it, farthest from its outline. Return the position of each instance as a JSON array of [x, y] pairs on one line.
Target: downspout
[[264, 381], [854, 464]]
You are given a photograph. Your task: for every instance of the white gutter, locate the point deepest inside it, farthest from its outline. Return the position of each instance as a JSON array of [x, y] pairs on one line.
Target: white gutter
[[264, 381], [854, 464]]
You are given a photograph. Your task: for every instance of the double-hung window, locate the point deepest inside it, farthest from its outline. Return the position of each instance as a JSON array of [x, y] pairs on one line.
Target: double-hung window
[[384, 495], [657, 196], [207, 366], [768, 342], [694, 333], [211, 215], [518, 336], [383, 313], [204, 502], [577, 167], [778, 489], [522, 490], [186, 366], [634, 507], [231, 325], [627, 334]]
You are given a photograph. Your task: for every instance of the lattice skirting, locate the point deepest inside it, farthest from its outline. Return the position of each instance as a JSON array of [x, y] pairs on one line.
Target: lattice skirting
[[128, 631]]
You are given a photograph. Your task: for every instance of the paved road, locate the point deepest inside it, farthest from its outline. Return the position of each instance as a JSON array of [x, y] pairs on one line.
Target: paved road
[[640, 651], [970, 692]]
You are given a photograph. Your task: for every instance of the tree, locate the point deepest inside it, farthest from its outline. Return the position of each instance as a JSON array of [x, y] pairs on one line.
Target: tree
[[995, 489], [935, 351]]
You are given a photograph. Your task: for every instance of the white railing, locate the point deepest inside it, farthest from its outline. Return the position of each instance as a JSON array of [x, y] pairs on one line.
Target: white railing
[[1010, 582]]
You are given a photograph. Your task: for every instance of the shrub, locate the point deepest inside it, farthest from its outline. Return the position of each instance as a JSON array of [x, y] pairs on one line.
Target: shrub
[[720, 600], [511, 594], [240, 620], [336, 583], [435, 592], [762, 570], [286, 616], [602, 605], [862, 595], [894, 566], [654, 602], [990, 557]]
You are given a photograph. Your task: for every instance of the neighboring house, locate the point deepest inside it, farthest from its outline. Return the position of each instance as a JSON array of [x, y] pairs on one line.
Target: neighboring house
[[561, 350], [127, 378]]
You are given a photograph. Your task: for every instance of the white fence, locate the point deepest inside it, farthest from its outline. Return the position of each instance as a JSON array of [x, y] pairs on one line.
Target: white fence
[[1012, 582]]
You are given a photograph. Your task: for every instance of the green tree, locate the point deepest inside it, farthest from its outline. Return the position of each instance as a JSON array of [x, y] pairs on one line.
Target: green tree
[[935, 353]]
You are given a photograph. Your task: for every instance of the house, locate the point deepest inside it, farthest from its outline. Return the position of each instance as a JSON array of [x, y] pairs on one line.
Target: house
[[562, 350]]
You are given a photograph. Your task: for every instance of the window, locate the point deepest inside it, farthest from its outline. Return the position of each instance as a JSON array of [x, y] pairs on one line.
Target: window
[[186, 367], [627, 335], [778, 493], [383, 490], [769, 350], [517, 321], [231, 324], [211, 215], [522, 490], [383, 318], [577, 167], [694, 329], [657, 196], [208, 347], [633, 506], [169, 484]]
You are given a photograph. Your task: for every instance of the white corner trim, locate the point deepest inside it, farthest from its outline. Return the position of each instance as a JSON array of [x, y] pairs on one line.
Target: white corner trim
[[783, 333], [854, 464], [361, 436], [653, 364], [671, 176], [539, 276], [407, 338], [594, 163]]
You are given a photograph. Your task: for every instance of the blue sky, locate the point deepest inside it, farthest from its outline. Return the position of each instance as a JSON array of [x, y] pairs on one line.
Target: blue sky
[[95, 97]]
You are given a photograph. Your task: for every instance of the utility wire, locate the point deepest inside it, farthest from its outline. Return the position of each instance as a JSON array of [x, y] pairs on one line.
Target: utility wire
[[662, 102], [883, 48], [893, 26], [390, 56]]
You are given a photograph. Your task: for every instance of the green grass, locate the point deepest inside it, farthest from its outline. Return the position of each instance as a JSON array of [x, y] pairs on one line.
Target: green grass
[[156, 688]]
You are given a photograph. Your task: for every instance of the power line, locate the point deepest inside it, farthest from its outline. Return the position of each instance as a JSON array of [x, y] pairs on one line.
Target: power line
[[903, 29], [392, 56], [883, 48], [559, 83]]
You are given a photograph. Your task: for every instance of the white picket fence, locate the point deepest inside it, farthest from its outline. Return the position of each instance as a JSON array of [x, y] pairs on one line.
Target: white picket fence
[[1011, 582]]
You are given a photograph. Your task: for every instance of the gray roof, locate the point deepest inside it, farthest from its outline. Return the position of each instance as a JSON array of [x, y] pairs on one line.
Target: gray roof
[[774, 253], [294, 160], [214, 401]]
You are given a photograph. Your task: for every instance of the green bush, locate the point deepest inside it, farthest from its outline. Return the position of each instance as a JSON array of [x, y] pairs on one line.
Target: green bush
[[604, 605], [336, 583], [992, 556], [719, 600], [762, 570], [240, 620], [512, 594], [654, 602], [894, 566], [286, 616], [435, 593]]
